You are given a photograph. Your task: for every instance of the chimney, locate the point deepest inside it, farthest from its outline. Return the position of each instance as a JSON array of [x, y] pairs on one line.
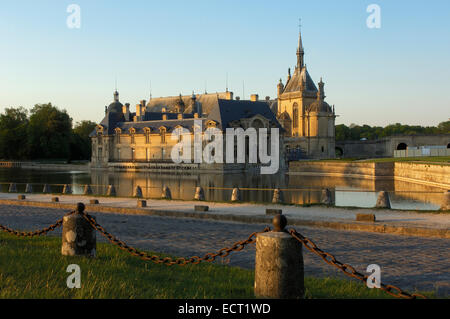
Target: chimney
[[238, 98], [126, 111], [254, 97], [229, 95], [140, 111], [267, 98]]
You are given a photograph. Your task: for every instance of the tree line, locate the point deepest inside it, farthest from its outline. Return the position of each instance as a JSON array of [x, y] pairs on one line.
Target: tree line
[[357, 132], [45, 132]]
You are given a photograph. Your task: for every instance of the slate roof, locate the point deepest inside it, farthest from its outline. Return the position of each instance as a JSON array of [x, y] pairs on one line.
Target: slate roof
[[231, 110], [294, 83], [222, 111], [155, 125], [206, 101]]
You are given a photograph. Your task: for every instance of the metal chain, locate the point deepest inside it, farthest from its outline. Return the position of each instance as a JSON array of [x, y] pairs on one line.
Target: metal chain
[[40, 232], [224, 252], [348, 269], [168, 261]]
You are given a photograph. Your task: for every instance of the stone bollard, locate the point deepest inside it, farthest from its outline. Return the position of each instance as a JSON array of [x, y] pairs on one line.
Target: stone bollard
[[199, 194], [383, 200], [274, 212], [111, 191], [278, 197], [446, 200], [236, 195], [141, 203], [67, 189], [47, 189], [326, 198], [166, 194], [87, 190], [365, 218], [78, 236], [199, 208], [279, 270], [137, 192], [29, 188], [12, 188]]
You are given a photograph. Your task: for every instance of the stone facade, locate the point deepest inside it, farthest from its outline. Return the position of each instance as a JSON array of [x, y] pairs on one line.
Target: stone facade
[[302, 111], [143, 139]]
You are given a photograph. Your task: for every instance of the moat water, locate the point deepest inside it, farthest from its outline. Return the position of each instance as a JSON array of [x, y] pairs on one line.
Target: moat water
[[218, 187]]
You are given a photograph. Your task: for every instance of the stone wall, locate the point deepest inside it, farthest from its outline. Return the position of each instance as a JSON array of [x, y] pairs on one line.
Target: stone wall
[[385, 147], [331, 168], [436, 174], [428, 174]]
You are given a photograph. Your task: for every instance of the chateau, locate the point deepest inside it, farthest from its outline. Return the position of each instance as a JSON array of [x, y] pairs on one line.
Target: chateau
[[141, 139]]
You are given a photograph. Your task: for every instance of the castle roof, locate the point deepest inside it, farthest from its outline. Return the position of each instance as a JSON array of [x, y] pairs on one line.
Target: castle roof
[[206, 101], [232, 110], [319, 106], [295, 82]]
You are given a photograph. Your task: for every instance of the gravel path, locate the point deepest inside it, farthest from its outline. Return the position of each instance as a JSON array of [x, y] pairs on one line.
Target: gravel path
[[409, 262]]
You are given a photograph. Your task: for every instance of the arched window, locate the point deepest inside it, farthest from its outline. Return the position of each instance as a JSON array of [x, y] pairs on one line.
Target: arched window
[[132, 134], [147, 135], [118, 133], [162, 131], [295, 116]]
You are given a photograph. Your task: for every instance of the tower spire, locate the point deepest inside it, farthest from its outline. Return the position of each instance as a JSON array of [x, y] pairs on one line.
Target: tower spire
[[300, 50]]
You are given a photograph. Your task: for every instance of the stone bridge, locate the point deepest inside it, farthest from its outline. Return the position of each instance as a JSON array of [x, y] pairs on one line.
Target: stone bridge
[[385, 147]]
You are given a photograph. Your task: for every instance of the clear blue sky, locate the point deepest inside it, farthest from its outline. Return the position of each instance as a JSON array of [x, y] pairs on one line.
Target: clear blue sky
[[398, 73]]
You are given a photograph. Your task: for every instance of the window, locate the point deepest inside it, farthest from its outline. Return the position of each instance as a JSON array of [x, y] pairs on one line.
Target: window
[[118, 133], [132, 133], [147, 136], [295, 116], [163, 135]]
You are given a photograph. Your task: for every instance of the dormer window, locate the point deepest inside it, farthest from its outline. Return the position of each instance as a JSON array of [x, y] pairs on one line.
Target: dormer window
[[211, 124]]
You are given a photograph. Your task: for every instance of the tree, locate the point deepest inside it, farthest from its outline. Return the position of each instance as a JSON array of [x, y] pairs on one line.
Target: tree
[[49, 132], [444, 127], [13, 133], [357, 132], [80, 147]]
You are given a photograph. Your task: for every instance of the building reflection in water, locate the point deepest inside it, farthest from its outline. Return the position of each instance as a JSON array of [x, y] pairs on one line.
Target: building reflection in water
[[259, 188], [218, 187]]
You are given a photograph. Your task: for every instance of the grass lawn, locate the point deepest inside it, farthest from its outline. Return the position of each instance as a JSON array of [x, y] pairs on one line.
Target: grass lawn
[[34, 268]]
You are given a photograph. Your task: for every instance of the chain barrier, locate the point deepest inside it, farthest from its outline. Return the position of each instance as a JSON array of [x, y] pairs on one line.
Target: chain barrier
[[40, 232], [348, 269], [224, 252], [168, 261]]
